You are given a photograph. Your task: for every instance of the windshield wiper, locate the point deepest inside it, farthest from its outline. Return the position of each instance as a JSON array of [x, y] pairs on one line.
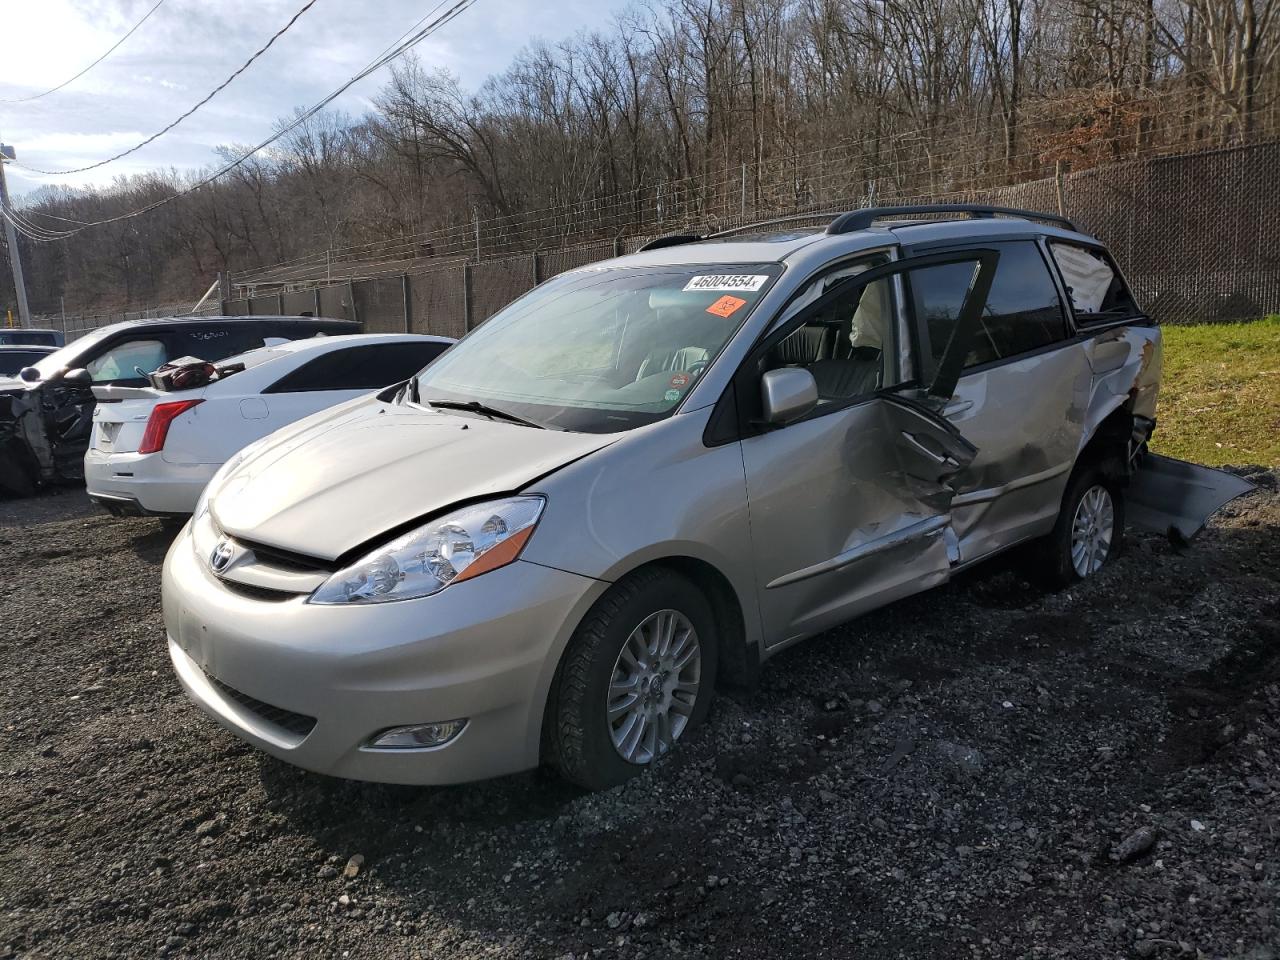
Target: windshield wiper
[[475, 406]]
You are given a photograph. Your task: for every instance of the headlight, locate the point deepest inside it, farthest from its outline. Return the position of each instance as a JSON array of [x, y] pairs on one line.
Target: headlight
[[456, 547]]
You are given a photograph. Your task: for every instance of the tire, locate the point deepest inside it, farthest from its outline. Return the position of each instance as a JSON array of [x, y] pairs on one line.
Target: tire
[[580, 734], [1090, 493], [18, 476]]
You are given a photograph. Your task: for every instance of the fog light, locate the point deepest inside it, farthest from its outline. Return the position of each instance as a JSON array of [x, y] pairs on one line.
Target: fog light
[[418, 735]]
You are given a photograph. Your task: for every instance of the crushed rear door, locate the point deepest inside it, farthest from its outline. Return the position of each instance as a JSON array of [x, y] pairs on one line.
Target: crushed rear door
[[1165, 493]]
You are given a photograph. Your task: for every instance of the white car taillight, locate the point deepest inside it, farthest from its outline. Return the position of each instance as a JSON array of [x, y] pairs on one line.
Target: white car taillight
[[162, 417]]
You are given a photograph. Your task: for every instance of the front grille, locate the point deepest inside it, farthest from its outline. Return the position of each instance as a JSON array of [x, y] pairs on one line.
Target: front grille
[[255, 592], [287, 559], [295, 723]]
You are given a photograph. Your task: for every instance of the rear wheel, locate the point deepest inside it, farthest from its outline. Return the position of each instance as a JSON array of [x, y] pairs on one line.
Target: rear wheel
[[1089, 531], [637, 677]]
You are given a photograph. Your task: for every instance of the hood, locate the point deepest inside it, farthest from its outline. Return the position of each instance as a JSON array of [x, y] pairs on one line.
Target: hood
[[331, 482]]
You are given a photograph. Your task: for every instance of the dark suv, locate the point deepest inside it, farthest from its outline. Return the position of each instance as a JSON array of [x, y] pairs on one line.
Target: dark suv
[[46, 412]]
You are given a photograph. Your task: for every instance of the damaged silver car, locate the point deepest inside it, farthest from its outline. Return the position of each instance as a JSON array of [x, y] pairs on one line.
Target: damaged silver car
[[647, 476]]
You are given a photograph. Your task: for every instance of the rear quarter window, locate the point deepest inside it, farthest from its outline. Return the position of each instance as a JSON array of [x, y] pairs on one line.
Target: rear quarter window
[[1097, 292]]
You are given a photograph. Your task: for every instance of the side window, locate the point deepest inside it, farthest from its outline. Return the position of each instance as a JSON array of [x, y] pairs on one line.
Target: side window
[[1023, 311], [848, 344], [128, 361], [368, 367], [850, 347], [1094, 285]]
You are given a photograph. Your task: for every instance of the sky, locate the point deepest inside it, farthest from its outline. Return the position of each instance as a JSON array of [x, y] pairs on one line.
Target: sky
[[188, 47]]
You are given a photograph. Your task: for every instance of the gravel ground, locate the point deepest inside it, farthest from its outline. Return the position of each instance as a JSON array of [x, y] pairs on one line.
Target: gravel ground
[[982, 771]]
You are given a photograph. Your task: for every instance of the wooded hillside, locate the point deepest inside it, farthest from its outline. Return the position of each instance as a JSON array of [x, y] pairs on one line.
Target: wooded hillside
[[690, 110]]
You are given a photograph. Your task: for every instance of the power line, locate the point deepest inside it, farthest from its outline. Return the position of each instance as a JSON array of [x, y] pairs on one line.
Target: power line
[[37, 96], [160, 133], [408, 39]]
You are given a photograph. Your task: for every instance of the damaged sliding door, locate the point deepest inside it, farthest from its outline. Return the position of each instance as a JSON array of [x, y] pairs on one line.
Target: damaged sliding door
[[850, 504]]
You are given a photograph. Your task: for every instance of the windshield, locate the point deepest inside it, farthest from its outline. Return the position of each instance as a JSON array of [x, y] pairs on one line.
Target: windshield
[[67, 357], [604, 350]]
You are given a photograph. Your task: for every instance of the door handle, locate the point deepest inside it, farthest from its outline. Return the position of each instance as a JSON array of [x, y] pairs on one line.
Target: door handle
[[938, 458]]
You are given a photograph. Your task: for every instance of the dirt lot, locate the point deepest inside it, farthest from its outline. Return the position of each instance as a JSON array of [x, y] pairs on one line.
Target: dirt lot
[[983, 771]]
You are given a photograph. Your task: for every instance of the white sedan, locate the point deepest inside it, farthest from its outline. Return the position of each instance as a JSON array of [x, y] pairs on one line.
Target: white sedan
[[153, 451]]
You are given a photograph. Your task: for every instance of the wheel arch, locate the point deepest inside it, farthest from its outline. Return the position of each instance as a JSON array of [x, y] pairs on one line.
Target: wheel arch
[[739, 643], [1107, 444], [739, 659]]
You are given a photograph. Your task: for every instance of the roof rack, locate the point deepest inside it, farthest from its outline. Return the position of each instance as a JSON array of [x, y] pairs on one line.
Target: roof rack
[[862, 219], [671, 240], [675, 239]]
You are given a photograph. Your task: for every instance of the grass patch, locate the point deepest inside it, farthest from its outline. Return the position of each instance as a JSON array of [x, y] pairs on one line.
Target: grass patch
[[1220, 395]]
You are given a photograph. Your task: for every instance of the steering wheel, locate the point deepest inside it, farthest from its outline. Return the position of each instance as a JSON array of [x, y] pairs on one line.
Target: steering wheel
[[696, 368]]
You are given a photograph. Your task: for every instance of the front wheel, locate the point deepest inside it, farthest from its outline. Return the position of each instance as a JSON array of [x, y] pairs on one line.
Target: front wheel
[[637, 677], [1088, 534]]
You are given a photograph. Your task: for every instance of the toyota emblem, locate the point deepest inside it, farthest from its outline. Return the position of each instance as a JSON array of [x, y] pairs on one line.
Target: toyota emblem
[[220, 559]]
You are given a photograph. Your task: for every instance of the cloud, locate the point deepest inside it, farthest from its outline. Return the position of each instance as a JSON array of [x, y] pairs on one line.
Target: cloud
[[190, 46]]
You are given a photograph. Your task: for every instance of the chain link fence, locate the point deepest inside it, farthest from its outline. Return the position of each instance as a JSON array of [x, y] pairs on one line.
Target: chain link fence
[[1196, 235]]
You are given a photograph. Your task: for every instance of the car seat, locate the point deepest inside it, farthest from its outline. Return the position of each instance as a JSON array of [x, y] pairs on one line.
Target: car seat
[[845, 356]]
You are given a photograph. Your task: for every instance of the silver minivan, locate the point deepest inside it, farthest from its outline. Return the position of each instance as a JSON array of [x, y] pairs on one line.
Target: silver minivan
[[647, 476]]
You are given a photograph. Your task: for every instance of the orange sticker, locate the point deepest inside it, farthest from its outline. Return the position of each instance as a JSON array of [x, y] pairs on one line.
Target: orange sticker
[[680, 380], [726, 306]]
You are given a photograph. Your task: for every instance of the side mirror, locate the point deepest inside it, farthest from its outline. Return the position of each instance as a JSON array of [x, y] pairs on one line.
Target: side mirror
[[79, 376], [787, 394], [29, 374]]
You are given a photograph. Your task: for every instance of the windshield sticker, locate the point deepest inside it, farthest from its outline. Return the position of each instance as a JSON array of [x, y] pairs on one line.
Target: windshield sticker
[[672, 395], [720, 282], [726, 306], [680, 380]]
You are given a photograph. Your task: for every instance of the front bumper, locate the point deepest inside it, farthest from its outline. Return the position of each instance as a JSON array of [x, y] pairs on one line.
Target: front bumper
[[144, 484], [312, 684]]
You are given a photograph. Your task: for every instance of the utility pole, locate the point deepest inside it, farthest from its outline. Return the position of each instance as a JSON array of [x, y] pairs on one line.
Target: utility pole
[[11, 237]]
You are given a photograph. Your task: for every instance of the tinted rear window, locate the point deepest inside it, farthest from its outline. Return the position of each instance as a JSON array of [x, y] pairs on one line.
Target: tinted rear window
[[364, 367]]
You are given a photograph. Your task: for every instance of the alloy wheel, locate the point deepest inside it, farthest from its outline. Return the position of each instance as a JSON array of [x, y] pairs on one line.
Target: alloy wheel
[[1092, 530], [654, 686]]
